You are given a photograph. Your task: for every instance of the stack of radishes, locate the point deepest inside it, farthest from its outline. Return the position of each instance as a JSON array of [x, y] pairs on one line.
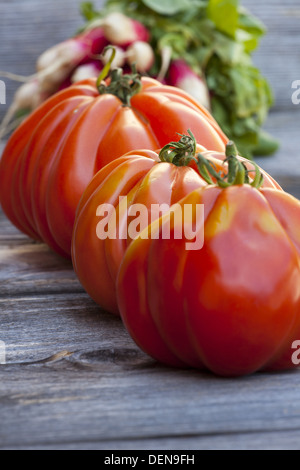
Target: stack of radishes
[[82, 57]]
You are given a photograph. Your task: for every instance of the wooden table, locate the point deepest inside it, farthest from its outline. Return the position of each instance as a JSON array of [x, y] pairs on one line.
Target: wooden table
[[73, 378]]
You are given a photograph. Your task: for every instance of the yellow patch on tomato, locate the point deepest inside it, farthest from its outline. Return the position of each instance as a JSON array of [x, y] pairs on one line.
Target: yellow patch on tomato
[[267, 223], [220, 219]]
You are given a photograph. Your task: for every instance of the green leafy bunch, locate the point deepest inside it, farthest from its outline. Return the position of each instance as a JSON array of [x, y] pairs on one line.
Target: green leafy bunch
[[216, 38]]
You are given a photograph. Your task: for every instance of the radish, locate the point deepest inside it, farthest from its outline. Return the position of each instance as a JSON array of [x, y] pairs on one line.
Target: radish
[[65, 84], [54, 68], [25, 95], [141, 54], [95, 41], [85, 71], [119, 58], [74, 51], [182, 76], [56, 65], [51, 78], [121, 30]]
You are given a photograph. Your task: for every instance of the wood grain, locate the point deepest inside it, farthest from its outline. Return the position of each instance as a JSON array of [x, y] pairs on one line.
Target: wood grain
[[28, 268], [288, 440], [74, 379], [99, 397], [279, 51]]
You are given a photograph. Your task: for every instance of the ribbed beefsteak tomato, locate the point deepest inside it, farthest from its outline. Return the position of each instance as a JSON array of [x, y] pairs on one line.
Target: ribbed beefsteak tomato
[[144, 179], [51, 158], [232, 307]]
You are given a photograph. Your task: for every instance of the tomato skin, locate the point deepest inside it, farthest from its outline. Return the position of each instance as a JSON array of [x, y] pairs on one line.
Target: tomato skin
[[232, 307], [88, 252], [51, 158], [15, 150], [145, 180]]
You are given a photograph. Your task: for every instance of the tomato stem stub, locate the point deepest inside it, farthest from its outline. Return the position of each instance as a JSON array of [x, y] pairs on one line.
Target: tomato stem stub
[[180, 153], [237, 174], [123, 86]]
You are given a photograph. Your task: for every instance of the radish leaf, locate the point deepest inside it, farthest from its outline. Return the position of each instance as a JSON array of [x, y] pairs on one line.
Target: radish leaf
[[216, 38], [225, 15], [168, 7]]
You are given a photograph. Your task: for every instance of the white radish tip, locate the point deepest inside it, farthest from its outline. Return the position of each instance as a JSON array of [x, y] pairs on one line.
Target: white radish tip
[[197, 88], [46, 59], [24, 96], [119, 29], [141, 53], [69, 52], [85, 72], [119, 59]]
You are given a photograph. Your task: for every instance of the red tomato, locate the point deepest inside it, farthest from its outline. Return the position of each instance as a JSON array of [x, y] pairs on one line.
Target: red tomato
[[232, 307], [51, 158], [144, 180]]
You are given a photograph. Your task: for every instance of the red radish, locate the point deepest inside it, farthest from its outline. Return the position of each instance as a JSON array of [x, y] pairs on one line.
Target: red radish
[[74, 51], [182, 76], [54, 68], [49, 56], [141, 53], [94, 39], [56, 65], [121, 30], [51, 78], [119, 58], [85, 71]]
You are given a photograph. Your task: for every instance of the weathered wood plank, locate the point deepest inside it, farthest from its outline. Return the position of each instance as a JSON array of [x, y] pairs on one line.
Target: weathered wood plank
[[288, 440], [95, 400], [29, 268], [290, 185], [73, 376], [36, 328], [279, 52], [8, 232]]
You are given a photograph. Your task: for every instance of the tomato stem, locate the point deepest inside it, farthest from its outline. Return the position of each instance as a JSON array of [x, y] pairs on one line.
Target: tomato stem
[[123, 86], [180, 153], [237, 174]]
